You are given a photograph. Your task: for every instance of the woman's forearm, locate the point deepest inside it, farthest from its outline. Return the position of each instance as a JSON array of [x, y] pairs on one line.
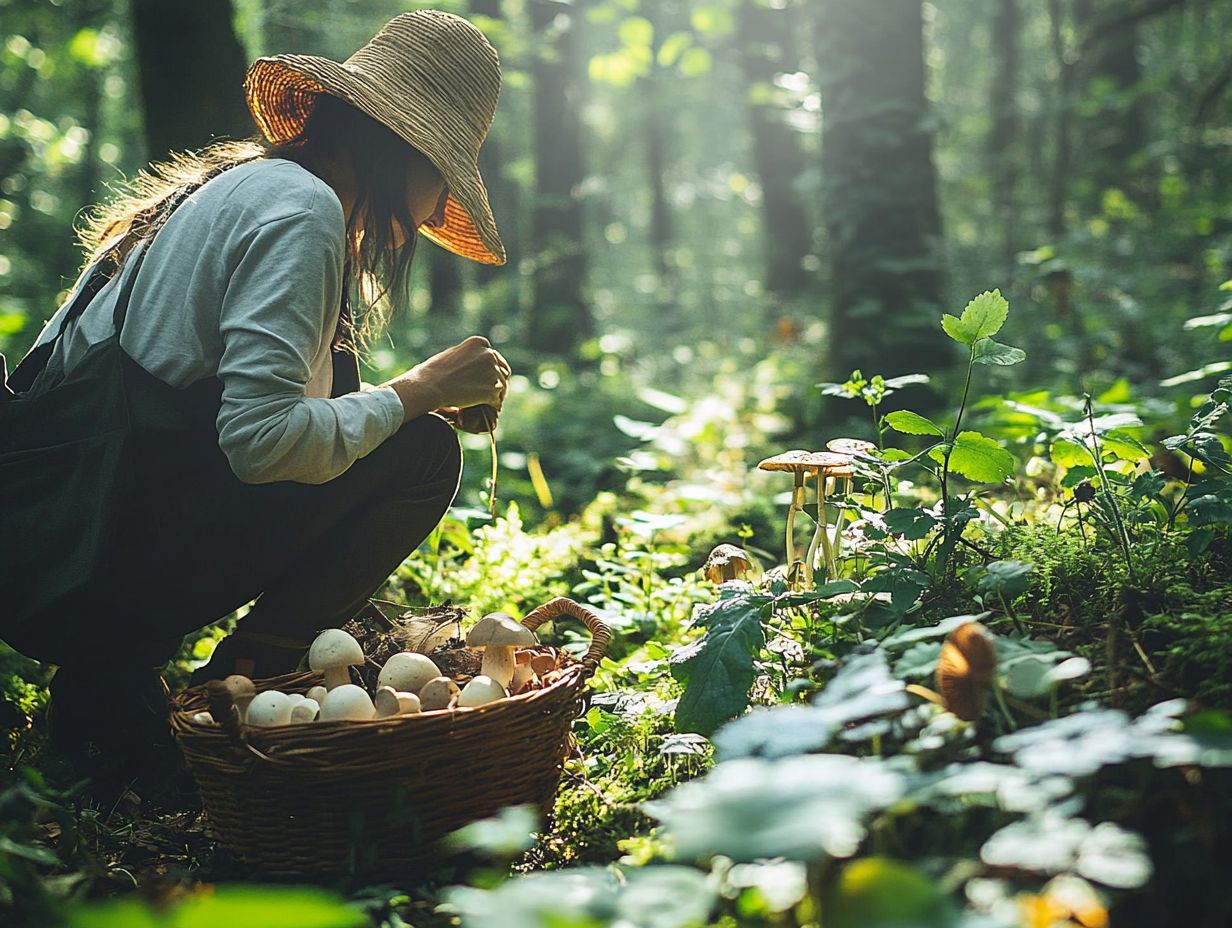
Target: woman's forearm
[[417, 395]]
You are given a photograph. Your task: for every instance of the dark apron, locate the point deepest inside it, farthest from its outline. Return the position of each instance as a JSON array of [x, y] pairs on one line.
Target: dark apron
[[86, 459]]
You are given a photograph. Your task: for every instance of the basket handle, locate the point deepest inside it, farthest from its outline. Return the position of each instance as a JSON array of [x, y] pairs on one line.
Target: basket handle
[[600, 634]]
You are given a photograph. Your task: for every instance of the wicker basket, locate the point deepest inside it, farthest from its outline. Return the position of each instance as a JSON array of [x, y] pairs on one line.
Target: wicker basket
[[374, 797]]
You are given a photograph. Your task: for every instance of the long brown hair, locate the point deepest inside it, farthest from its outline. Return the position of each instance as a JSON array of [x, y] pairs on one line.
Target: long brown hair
[[385, 167]]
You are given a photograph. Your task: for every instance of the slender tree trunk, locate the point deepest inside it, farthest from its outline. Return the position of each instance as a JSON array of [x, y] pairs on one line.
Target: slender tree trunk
[[662, 231], [879, 189], [1058, 185], [444, 282], [766, 50], [559, 318], [1003, 155], [502, 193], [191, 68]]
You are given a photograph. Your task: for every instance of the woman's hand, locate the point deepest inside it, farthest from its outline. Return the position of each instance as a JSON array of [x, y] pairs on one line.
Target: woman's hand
[[472, 373], [474, 419]]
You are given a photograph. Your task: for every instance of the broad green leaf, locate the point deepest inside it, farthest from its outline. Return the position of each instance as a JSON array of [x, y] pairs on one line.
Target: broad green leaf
[[1123, 446], [979, 458], [877, 892], [267, 906], [988, 351], [911, 423], [717, 669], [1009, 578], [798, 808], [982, 318], [912, 524], [1067, 453]]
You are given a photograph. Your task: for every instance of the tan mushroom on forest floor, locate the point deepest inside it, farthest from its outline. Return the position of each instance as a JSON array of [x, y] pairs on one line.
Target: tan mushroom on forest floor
[[727, 562], [800, 464]]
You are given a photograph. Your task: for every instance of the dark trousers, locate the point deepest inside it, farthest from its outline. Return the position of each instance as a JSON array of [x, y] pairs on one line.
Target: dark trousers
[[310, 555]]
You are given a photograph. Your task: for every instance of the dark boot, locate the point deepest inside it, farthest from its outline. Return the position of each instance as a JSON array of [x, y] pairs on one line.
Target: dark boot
[[113, 726]]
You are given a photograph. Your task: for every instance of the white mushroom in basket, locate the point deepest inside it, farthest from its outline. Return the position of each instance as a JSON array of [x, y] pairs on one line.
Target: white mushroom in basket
[[334, 652], [347, 702], [499, 635], [440, 693], [318, 693], [407, 672], [390, 702], [480, 691], [306, 710], [268, 709]]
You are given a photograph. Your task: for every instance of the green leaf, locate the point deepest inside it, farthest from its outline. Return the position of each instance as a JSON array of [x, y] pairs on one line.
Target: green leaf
[[988, 351], [911, 423], [981, 459], [1067, 453], [912, 524], [717, 669], [877, 892], [267, 906], [982, 318]]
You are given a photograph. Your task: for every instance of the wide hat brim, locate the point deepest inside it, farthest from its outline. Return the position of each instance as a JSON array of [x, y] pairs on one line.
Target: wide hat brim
[[281, 91]]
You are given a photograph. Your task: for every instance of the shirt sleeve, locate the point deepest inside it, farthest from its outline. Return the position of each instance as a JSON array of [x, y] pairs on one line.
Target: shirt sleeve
[[279, 307]]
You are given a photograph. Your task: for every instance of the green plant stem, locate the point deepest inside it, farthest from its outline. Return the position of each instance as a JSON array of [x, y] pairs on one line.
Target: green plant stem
[[1122, 534], [949, 450]]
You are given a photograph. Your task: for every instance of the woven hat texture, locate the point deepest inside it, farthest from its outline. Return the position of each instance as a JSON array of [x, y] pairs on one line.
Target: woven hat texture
[[429, 76]]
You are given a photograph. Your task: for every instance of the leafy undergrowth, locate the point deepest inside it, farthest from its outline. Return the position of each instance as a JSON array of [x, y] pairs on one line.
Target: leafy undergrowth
[[992, 691]]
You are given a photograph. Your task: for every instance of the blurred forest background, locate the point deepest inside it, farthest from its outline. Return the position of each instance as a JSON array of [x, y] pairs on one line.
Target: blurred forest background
[[712, 205]]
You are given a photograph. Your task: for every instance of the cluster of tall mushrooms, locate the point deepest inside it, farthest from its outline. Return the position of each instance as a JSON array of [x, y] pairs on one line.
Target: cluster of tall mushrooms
[[409, 682], [832, 471]]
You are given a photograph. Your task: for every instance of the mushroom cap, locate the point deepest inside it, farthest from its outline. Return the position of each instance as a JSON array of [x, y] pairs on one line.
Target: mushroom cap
[[481, 691], [306, 710], [348, 702], [965, 670], [437, 694], [726, 562], [239, 687], [851, 446], [407, 672], [496, 629], [317, 693], [334, 648], [808, 462], [269, 708]]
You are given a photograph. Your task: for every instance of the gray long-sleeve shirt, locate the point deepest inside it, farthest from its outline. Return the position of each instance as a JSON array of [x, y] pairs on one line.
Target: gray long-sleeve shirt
[[244, 282]]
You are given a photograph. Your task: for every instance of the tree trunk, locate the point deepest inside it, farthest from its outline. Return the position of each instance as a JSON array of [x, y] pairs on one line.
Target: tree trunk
[[662, 231], [766, 50], [502, 193], [191, 69], [559, 319], [1058, 185], [879, 190], [1003, 168]]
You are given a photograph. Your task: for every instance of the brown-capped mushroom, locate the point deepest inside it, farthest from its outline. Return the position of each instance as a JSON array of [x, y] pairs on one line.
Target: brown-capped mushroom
[[966, 669], [827, 464], [726, 562], [499, 635], [241, 690]]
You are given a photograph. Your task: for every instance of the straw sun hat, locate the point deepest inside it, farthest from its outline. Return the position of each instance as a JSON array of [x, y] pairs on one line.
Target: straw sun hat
[[429, 76]]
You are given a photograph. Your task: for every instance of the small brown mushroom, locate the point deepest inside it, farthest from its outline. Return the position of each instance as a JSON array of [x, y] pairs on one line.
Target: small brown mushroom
[[543, 664], [241, 690], [801, 463], [966, 669], [727, 562]]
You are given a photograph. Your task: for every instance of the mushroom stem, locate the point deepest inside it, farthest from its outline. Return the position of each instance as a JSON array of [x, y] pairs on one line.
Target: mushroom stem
[[498, 664], [823, 525], [797, 492], [336, 677], [845, 484]]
